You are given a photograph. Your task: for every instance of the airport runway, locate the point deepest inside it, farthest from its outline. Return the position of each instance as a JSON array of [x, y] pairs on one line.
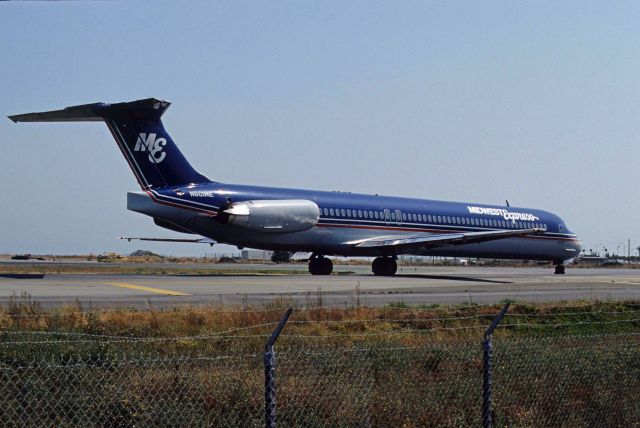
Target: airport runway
[[444, 285]]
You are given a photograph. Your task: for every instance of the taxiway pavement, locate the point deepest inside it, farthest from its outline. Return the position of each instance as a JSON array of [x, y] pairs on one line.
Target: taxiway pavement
[[431, 285]]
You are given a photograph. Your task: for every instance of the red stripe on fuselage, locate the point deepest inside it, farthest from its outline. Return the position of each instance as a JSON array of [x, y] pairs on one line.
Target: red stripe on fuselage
[[186, 207]]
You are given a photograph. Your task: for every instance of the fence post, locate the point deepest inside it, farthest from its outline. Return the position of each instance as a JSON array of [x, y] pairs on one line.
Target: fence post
[[487, 348], [270, 373]]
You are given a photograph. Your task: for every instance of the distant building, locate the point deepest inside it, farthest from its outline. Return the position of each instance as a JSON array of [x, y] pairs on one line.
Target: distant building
[[255, 255], [591, 260]]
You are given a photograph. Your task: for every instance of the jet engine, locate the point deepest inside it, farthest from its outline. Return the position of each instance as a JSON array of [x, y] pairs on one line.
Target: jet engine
[[275, 216]]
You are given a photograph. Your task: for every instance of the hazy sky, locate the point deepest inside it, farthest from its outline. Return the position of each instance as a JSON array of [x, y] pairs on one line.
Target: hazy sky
[[535, 102]]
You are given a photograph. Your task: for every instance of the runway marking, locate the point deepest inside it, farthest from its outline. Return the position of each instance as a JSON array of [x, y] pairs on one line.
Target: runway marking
[[149, 289]]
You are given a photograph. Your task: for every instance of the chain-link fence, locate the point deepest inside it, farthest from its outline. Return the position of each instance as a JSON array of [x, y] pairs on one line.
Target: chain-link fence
[[568, 381], [409, 370], [128, 391]]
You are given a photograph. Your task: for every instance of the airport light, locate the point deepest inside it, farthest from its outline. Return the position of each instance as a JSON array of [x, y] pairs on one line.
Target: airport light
[[597, 245]]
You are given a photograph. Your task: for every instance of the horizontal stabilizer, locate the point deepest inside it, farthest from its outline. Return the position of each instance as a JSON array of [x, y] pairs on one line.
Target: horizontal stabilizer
[[82, 113], [149, 108]]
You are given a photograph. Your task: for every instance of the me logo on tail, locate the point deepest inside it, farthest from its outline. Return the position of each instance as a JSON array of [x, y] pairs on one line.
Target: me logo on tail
[[148, 142]]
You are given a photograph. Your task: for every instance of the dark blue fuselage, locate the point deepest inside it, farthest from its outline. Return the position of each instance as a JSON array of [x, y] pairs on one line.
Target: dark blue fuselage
[[346, 217]]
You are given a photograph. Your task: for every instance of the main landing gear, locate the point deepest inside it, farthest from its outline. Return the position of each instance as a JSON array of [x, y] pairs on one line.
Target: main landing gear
[[384, 266], [320, 265], [559, 269]]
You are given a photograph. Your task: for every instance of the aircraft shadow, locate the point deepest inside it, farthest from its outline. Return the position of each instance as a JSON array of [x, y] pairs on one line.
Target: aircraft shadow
[[22, 275], [452, 278]]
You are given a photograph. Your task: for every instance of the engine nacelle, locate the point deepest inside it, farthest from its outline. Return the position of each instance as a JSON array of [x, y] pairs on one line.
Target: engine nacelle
[[275, 216]]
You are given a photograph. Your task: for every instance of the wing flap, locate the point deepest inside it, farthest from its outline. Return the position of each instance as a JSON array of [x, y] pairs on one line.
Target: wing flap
[[188, 240], [407, 243]]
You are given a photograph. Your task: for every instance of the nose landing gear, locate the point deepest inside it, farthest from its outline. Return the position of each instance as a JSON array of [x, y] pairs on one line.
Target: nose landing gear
[[320, 265], [559, 270], [384, 266]]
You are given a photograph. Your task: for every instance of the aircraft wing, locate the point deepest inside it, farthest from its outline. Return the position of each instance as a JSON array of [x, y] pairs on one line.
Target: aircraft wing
[[401, 244], [189, 240]]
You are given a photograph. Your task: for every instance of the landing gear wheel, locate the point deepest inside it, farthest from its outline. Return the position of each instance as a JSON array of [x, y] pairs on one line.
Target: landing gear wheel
[[559, 270], [327, 266], [384, 266], [319, 265]]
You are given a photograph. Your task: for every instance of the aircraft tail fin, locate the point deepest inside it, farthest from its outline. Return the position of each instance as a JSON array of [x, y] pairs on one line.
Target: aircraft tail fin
[[137, 128]]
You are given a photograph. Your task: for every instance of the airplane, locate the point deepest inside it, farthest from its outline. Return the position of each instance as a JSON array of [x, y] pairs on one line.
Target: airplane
[[322, 223]]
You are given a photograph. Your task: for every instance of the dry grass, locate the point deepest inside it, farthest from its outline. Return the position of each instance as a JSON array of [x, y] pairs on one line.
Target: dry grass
[[352, 324], [561, 365]]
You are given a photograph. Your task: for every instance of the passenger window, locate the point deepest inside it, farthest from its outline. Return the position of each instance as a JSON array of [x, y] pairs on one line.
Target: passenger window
[[429, 218], [366, 214], [348, 213], [393, 216], [331, 211], [439, 219], [343, 212], [360, 213], [326, 211], [370, 214], [377, 215], [404, 216]]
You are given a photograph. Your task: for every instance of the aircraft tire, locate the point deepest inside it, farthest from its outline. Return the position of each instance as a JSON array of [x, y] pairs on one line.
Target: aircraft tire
[[314, 266], [559, 270], [392, 266], [320, 266], [384, 266], [326, 266], [377, 267]]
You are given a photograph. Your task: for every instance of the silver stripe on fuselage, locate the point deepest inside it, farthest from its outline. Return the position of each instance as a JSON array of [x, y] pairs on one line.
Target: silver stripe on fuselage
[[421, 227]]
